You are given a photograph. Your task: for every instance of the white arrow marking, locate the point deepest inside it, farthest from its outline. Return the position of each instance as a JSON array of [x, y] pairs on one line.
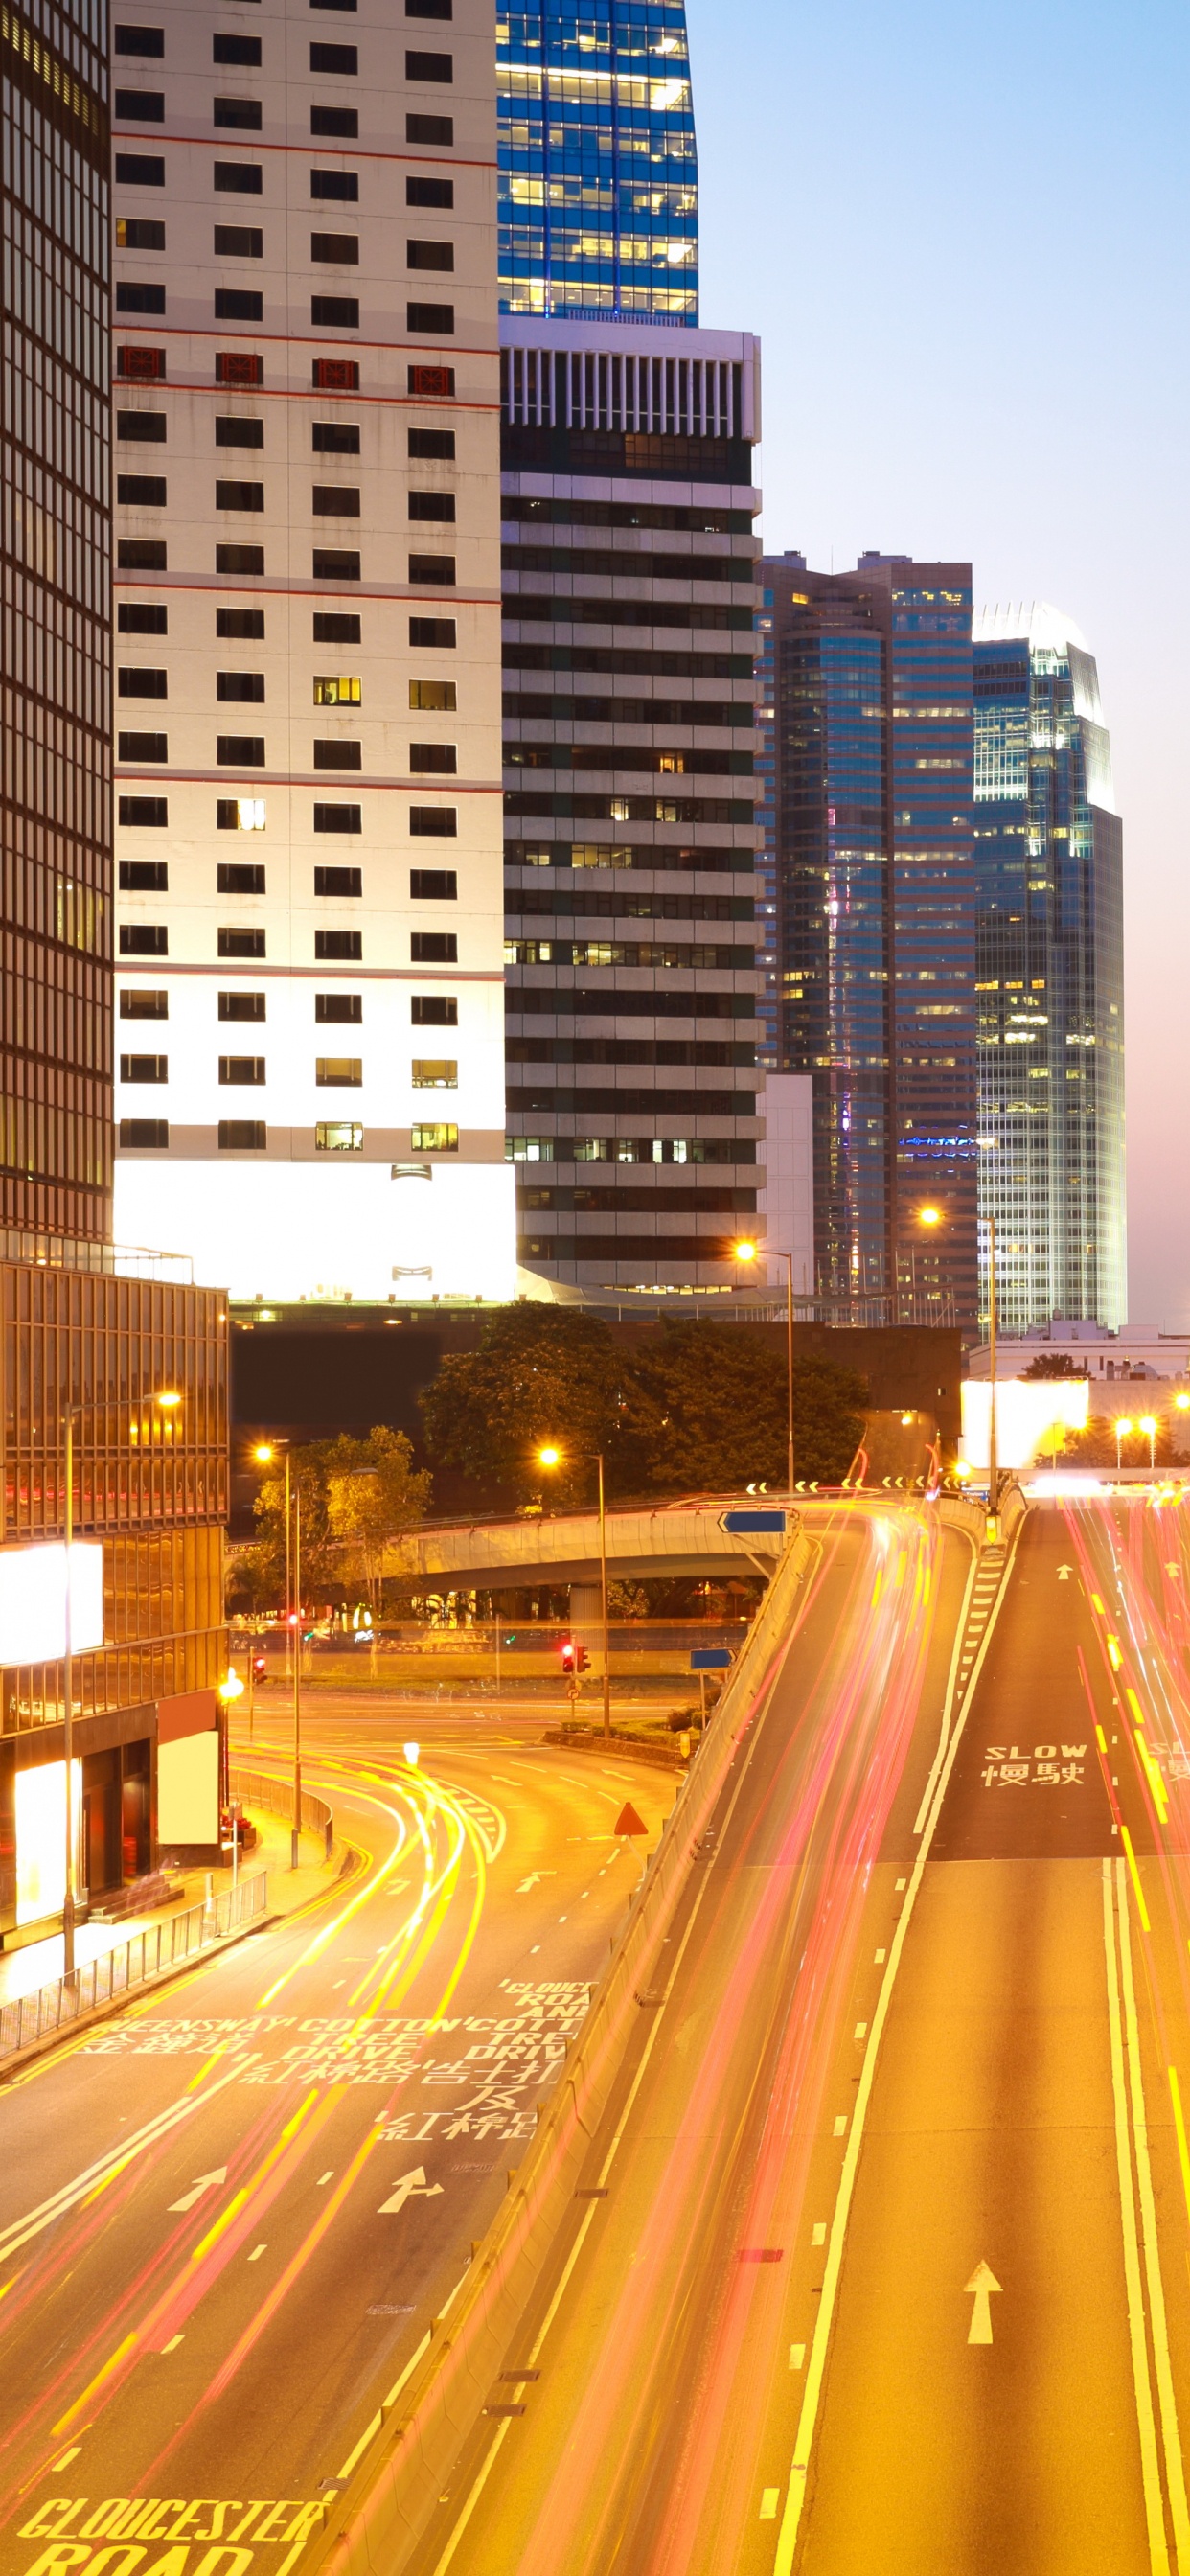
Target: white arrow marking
[[1173, 1569], [1064, 1573], [982, 2282], [205, 2182], [22, 2230], [534, 1880], [410, 2185]]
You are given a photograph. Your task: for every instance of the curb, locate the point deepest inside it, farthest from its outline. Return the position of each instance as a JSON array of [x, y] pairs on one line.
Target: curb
[[665, 1756]]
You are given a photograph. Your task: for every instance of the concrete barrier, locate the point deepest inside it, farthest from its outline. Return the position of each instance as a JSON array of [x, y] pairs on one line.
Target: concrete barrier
[[372, 2531]]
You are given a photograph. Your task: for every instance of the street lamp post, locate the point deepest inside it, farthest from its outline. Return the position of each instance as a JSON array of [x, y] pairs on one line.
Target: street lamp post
[[1124, 1430], [1148, 1424], [749, 1251], [551, 1456], [166, 1401], [264, 1454]]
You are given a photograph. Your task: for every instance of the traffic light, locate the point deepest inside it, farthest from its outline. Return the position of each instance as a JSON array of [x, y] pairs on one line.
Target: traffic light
[[575, 1659]]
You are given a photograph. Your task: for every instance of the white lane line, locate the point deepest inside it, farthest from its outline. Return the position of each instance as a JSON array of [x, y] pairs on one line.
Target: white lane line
[[1145, 2425], [948, 1699], [1175, 2475], [22, 2230], [807, 2421]]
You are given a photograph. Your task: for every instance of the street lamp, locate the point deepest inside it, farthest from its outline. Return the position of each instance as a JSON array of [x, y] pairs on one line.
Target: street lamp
[[167, 1400], [265, 1453], [1148, 1424], [748, 1251], [551, 1456], [1124, 1430]]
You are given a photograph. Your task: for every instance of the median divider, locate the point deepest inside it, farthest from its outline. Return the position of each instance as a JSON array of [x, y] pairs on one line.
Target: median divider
[[438, 2402]]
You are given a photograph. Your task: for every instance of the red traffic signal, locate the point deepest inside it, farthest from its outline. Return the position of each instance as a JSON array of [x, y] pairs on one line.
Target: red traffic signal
[[259, 1667], [575, 1659]]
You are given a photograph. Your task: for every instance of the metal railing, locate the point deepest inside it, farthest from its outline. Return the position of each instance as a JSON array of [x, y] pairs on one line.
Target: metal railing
[[130, 1964], [261, 1789]]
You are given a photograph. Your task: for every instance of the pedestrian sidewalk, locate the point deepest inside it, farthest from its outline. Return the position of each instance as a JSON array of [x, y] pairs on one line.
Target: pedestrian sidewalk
[[39, 1963]]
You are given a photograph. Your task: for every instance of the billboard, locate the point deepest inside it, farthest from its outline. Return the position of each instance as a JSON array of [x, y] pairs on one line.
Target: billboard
[[33, 1601]]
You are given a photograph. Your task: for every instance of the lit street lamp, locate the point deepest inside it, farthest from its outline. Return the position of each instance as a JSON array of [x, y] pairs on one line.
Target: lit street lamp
[[264, 1454], [1148, 1424], [551, 1456], [747, 1251], [1124, 1431], [167, 1401]]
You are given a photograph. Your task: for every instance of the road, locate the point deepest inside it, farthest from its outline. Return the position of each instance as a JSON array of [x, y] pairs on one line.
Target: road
[[645, 2419], [228, 2215]]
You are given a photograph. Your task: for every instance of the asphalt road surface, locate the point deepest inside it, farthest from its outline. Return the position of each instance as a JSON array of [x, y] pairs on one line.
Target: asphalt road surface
[[228, 2215]]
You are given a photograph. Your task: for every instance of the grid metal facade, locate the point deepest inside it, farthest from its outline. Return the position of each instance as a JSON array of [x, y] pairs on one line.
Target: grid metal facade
[[630, 838], [55, 612], [598, 162], [1050, 977], [870, 957]]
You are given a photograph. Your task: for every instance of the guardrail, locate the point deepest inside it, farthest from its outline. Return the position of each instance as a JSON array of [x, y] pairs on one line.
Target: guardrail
[[133, 1963], [261, 1789], [371, 2533]]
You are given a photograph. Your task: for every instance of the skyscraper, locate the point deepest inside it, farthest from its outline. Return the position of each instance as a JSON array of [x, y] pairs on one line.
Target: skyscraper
[[85, 1326], [598, 164], [1050, 974], [866, 686], [310, 1047], [629, 595]]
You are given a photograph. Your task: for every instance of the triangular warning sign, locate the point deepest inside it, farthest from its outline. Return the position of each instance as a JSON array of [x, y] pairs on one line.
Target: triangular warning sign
[[628, 1822]]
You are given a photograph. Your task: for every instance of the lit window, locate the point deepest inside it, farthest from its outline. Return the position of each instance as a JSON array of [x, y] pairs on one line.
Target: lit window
[[337, 693], [339, 1136], [440, 1138], [339, 1072], [592, 1149], [433, 696], [240, 813], [435, 1073], [528, 1149]]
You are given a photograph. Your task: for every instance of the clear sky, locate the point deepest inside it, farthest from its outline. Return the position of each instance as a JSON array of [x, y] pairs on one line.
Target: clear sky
[[961, 233]]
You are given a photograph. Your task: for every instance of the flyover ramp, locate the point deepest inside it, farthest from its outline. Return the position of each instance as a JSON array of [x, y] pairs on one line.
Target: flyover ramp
[[678, 1539]]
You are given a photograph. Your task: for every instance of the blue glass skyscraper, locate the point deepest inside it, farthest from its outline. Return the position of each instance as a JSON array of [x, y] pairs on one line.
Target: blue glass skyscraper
[[598, 163]]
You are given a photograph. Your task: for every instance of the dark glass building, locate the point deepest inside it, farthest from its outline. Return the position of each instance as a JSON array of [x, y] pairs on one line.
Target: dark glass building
[[598, 165], [629, 587], [55, 613], [867, 881], [1049, 874], [82, 1325]]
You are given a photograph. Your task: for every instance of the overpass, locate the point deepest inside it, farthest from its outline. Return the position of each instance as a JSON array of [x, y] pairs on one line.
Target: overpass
[[684, 1538]]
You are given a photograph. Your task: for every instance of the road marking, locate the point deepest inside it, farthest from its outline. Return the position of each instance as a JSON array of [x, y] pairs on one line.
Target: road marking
[[841, 2125], [807, 2421], [412, 2185], [861, 2030], [171, 2346], [947, 1701], [881, 1956], [22, 2230], [1141, 1907], [797, 2355], [819, 2233], [324, 2178], [1146, 2427], [256, 2253], [1180, 2133], [769, 2501], [67, 2457], [1175, 2476], [205, 2182], [983, 2281]]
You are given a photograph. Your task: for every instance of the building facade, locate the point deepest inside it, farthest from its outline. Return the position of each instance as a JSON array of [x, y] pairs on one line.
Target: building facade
[[868, 889], [629, 595], [84, 1328], [1048, 854], [598, 164], [309, 1037]]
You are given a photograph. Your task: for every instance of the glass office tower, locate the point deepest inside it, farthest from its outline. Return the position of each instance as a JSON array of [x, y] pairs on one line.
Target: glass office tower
[[1050, 975], [598, 166], [866, 761]]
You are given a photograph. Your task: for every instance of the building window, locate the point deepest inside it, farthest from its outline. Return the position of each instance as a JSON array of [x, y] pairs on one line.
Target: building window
[[143, 939], [244, 50], [239, 496], [432, 505], [239, 750], [244, 367], [143, 746], [336, 375], [332, 563], [338, 1135], [241, 1006], [142, 617], [434, 822], [139, 232], [429, 317], [337, 755], [339, 1072], [143, 684], [240, 943], [435, 1073], [335, 437], [232, 429], [232, 878], [343, 184], [148, 42], [433, 697], [243, 1136], [144, 876], [238, 178], [145, 813], [140, 299], [241, 1072], [339, 1010], [243, 562], [342, 60], [433, 885], [434, 948], [338, 818], [334, 312], [339, 881], [337, 626], [141, 491], [434, 1010], [239, 304], [429, 67], [433, 381], [144, 1068], [243, 625], [430, 192], [430, 254], [437, 131], [140, 106], [140, 170], [335, 501], [240, 688], [144, 1134], [429, 633], [440, 758], [240, 814], [146, 428], [336, 250], [338, 947], [528, 1149], [442, 1137], [141, 366], [239, 241], [242, 112], [337, 692], [141, 554], [438, 570], [593, 1149], [138, 1002]]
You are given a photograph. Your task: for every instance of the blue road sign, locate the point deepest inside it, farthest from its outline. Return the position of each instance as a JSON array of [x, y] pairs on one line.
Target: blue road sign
[[709, 1659], [755, 1524]]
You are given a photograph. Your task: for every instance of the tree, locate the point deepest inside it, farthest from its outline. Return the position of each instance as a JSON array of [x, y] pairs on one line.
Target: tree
[[1055, 1364], [374, 1496], [541, 1374], [319, 1549], [706, 1410]]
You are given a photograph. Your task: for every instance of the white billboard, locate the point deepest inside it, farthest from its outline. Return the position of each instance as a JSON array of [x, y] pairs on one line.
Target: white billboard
[[33, 1601]]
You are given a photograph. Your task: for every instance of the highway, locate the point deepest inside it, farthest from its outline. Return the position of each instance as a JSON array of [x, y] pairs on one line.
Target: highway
[[229, 2214]]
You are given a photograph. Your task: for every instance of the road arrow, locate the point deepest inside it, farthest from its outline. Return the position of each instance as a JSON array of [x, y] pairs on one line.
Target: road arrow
[[534, 1879], [1173, 1569], [412, 2186], [982, 2282], [1064, 1573], [205, 2182]]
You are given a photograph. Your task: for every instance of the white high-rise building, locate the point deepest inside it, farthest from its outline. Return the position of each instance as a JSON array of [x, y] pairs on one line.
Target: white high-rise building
[[310, 1008]]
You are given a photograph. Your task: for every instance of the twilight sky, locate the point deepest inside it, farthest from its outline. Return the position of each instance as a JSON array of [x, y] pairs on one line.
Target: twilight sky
[[962, 236]]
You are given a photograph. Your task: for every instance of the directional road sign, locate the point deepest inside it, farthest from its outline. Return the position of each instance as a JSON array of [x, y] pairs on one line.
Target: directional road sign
[[709, 1659], [752, 1524]]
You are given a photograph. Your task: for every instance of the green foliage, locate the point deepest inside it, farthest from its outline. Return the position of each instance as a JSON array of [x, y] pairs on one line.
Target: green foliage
[[357, 1498], [1055, 1364], [542, 1374]]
